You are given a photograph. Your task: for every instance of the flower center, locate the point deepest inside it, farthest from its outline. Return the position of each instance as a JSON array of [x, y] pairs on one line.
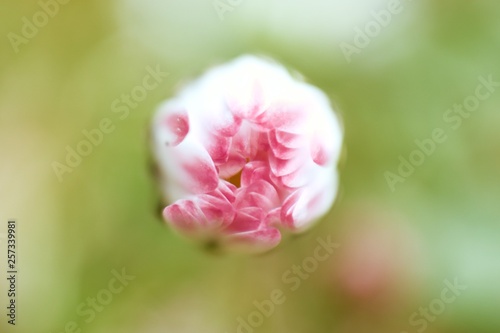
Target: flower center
[[236, 179]]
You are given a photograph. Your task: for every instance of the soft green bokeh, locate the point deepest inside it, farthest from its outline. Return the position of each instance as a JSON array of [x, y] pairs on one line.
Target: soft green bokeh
[[396, 248]]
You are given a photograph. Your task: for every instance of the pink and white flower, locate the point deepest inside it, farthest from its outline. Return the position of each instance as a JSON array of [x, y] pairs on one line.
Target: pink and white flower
[[246, 152]]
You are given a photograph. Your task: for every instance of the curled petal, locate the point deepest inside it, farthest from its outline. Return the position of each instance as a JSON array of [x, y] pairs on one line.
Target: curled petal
[[253, 172], [246, 219], [259, 194], [273, 218], [298, 178], [228, 126], [279, 150], [200, 173], [255, 241], [281, 167], [233, 165], [285, 118], [247, 142], [322, 152], [201, 216], [290, 140], [176, 127], [245, 99], [227, 190], [218, 148], [188, 166], [307, 204]]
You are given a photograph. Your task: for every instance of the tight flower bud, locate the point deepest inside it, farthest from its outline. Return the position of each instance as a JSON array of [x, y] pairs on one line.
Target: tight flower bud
[[245, 152]]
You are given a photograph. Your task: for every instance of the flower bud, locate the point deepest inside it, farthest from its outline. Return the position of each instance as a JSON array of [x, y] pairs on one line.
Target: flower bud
[[246, 152]]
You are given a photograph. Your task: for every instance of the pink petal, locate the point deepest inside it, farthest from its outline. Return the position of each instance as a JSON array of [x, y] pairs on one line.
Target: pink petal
[[218, 148], [246, 103], [187, 166], [255, 241], [281, 167], [233, 165], [253, 172], [177, 126], [247, 142], [201, 216], [278, 150], [307, 204], [300, 177], [285, 118], [259, 194], [199, 175], [220, 120], [246, 219], [288, 216], [273, 218], [227, 190], [289, 140], [320, 154]]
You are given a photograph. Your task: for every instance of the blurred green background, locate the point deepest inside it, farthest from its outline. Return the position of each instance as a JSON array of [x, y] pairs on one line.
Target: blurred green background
[[396, 247]]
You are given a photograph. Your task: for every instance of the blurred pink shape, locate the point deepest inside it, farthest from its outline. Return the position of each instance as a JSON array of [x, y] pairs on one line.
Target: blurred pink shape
[[380, 261]]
